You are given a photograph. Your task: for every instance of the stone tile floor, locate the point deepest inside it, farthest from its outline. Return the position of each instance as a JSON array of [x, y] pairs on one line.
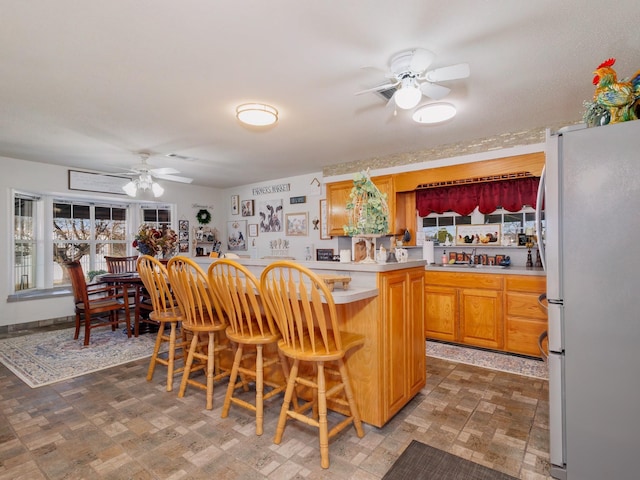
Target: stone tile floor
[[113, 424]]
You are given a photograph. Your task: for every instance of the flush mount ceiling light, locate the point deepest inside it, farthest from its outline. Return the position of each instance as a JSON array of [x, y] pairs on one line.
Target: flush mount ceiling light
[[434, 113], [257, 114], [409, 95], [143, 182]]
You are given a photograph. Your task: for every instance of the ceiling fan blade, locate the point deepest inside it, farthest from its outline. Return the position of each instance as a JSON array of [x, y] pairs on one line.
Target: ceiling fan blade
[[174, 178], [386, 86], [434, 91], [164, 171], [421, 60], [452, 72]]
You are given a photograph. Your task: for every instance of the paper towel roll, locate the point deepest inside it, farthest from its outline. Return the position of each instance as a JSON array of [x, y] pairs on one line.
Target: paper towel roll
[[427, 252]]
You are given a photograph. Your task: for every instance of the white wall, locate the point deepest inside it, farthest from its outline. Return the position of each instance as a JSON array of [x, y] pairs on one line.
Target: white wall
[[303, 185]]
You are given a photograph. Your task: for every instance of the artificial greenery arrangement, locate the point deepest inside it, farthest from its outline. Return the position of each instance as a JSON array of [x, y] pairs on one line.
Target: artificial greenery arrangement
[[367, 208], [203, 216], [152, 241]]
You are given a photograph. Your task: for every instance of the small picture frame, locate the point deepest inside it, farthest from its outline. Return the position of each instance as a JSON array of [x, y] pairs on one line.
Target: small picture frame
[[324, 232], [324, 254], [253, 229], [297, 224], [246, 207], [183, 225], [235, 204]]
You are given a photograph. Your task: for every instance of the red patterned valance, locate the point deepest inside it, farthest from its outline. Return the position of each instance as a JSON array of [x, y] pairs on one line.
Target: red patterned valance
[[511, 195]]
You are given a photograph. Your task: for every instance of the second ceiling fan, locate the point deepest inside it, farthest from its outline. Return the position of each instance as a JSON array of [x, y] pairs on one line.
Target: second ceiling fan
[[410, 79]]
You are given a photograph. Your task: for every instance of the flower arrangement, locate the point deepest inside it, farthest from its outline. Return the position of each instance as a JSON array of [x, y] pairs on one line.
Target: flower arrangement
[[151, 241]]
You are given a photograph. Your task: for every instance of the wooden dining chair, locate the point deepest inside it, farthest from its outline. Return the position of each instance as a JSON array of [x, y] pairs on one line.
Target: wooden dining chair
[[254, 335], [94, 301], [304, 310], [165, 312], [121, 264], [202, 317], [138, 298]]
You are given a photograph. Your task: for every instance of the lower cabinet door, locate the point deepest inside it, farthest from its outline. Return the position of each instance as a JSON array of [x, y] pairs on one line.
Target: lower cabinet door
[[441, 312], [481, 320]]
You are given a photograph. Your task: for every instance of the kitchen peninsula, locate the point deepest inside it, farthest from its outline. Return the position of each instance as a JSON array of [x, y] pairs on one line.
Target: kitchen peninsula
[[385, 303]]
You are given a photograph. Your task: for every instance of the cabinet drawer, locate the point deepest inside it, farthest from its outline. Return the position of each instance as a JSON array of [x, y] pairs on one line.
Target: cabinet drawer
[[465, 280], [522, 336], [525, 283], [524, 305]]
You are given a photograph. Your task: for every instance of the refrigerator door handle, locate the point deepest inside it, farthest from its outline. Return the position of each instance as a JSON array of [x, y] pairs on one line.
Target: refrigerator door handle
[[539, 202], [543, 351]]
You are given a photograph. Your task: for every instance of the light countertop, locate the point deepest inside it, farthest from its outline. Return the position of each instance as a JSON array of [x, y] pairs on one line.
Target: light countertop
[[511, 270]]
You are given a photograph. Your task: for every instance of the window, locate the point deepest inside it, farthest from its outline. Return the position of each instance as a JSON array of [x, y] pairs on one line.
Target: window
[[157, 216], [442, 227], [87, 233], [511, 223], [24, 242]]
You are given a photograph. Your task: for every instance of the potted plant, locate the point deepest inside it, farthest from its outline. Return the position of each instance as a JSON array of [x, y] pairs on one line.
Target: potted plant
[[368, 212], [367, 207]]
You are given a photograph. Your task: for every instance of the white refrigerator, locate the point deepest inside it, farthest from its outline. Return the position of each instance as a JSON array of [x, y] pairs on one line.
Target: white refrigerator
[[591, 189]]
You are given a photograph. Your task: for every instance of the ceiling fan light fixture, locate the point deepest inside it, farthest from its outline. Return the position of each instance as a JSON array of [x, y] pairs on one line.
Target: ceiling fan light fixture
[[130, 188], [408, 96], [143, 182], [434, 113], [157, 189], [257, 114]]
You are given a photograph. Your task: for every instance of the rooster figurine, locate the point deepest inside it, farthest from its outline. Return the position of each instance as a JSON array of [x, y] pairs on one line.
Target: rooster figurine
[[620, 98]]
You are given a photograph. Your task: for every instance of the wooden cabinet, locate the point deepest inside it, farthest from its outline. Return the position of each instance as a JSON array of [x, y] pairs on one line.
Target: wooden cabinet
[[402, 305], [495, 311], [481, 322], [525, 319], [338, 197], [464, 308], [441, 312]]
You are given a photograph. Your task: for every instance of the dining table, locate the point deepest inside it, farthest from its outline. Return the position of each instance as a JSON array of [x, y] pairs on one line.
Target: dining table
[[139, 299]]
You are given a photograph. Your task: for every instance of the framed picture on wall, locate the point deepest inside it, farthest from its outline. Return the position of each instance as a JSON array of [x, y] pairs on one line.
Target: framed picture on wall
[[270, 213], [246, 207], [237, 235], [297, 224], [253, 229], [235, 204], [324, 228]]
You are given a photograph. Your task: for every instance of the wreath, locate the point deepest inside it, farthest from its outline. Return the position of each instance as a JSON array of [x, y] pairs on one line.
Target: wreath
[[203, 216]]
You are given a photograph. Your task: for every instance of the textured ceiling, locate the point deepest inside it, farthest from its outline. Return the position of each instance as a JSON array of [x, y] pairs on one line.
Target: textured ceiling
[[89, 84]]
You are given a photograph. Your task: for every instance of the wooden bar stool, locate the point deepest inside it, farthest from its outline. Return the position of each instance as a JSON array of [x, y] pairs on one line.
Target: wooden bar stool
[[165, 312], [303, 307], [250, 328], [202, 317]]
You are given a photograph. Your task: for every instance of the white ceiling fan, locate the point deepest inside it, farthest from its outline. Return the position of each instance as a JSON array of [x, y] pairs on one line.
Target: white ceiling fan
[[409, 78], [145, 174]]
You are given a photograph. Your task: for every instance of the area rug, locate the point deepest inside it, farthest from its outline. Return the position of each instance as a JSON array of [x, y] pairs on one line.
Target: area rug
[[528, 367], [47, 357], [422, 462]]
